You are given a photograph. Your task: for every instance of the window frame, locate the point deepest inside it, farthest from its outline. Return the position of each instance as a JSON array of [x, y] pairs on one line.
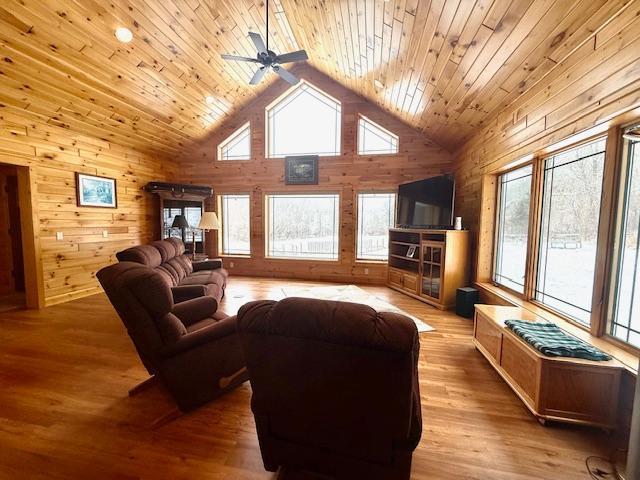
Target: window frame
[[356, 215], [220, 210], [538, 159], [364, 118], [517, 165], [619, 201], [281, 98], [298, 193], [236, 133]]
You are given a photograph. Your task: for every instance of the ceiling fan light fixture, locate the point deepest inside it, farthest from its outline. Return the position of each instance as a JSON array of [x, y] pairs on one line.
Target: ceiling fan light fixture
[[378, 84], [210, 100], [123, 34]]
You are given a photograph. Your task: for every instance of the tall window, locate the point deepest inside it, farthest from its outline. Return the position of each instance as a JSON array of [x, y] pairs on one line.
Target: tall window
[[569, 227], [237, 146], [373, 139], [236, 217], [376, 215], [514, 194], [305, 122], [303, 226], [625, 311]]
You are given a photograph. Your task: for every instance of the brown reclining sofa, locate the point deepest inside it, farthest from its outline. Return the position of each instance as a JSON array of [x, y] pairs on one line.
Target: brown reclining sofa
[[186, 278]]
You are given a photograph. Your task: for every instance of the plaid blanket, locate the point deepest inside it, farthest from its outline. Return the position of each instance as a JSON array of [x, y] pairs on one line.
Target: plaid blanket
[[550, 340]]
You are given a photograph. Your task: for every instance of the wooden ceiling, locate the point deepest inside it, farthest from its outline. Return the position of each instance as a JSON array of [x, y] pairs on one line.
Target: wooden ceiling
[[444, 66]]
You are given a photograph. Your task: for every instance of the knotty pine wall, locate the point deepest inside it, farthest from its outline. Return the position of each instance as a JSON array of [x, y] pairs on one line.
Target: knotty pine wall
[[595, 85], [54, 155], [347, 174]]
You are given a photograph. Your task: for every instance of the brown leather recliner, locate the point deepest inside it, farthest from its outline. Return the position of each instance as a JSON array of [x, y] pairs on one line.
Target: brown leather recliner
[[188, 279], [194, 351], [335, 387]]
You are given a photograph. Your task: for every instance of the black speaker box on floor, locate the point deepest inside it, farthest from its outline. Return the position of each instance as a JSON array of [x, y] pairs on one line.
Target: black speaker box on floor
[[466, 298]]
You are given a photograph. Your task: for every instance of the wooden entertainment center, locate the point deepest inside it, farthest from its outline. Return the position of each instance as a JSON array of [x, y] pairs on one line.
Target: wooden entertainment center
[[429, 265]]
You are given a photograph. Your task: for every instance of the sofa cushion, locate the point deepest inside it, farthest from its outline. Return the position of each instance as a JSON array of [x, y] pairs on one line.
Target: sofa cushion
[[178, 267], [144, 254], [177, 244], [185, 262], [166, 249], [204, 278]]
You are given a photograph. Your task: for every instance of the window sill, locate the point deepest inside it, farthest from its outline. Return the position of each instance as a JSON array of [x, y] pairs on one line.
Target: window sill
[[304, 259], [607, 344], [371, 262], [233, 255]]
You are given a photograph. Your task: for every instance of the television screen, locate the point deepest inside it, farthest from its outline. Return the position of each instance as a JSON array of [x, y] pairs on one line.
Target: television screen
[[426, 203]]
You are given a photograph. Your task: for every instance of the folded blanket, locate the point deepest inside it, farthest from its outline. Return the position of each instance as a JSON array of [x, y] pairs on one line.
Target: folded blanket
[[548, 339]]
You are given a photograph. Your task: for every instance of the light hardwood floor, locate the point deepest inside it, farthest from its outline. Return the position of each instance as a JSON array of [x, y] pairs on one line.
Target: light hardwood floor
[[65, 414]]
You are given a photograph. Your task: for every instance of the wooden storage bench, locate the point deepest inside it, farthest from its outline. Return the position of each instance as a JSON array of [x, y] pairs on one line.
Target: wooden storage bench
[[553, 388]]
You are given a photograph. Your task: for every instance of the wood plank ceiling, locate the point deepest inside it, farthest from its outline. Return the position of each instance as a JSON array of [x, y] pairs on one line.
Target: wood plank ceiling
[[444, 66]]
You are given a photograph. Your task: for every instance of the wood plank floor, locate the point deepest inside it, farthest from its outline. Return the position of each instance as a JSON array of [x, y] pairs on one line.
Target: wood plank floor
[[65, 414]]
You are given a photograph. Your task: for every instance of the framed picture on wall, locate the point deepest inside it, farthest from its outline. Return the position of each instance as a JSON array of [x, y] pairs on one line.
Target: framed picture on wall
[[94, 191], [301, 170]]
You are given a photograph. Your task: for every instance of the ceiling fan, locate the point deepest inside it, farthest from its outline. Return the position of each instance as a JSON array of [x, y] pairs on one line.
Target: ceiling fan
[[269, 59]]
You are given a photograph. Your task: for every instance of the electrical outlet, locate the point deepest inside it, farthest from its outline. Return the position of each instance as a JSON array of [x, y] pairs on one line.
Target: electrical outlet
[[105, 233], [230, 264], [59, 236], [366, 271]]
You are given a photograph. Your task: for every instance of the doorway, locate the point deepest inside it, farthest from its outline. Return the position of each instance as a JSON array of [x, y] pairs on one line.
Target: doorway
[[12, 278]]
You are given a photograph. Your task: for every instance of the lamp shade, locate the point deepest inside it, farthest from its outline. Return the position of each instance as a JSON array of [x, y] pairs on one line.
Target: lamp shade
[[180, 221], [209, 221]]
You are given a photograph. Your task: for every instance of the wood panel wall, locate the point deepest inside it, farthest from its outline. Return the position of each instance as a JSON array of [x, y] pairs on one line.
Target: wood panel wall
[[596, 85], [346, 174], [54, 155]]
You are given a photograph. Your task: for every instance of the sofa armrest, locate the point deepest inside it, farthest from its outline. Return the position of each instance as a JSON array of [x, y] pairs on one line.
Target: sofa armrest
[[211, 264], [196, 309], [200, 337], [182, 293]]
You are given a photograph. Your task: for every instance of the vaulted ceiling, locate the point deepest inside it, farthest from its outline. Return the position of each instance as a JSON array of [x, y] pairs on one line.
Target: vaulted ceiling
[[443, 66]]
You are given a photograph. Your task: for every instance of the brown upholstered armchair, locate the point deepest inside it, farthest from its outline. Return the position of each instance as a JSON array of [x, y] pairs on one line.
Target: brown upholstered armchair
[[194, 351], [335, 387]]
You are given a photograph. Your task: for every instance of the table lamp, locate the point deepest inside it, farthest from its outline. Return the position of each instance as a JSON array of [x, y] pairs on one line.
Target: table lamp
[[180, 221], [208, 221]]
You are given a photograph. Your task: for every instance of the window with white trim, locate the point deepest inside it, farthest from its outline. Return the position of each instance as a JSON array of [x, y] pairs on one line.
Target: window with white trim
[[235, 218], [374, 139], [305, 122], [304, 226], [237, 146], [376, 215]]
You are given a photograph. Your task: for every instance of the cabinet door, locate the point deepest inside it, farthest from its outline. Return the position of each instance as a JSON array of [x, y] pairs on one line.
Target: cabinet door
[[395, 277], [436, 280], [425, 287], [410, 282]]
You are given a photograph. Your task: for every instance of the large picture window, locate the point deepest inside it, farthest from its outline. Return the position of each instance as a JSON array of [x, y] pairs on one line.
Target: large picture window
[[303, 226], [305, 122], [571, 197], [625, 311], [376, 215], [235, 235], [514, 195]]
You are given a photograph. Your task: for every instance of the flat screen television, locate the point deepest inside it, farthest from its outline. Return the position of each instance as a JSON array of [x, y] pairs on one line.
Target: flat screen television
[[426, 203]]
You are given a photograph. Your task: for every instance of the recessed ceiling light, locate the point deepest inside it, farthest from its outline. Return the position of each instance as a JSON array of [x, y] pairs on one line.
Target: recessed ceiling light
[[124, 34], [378, 83], [210, 100]]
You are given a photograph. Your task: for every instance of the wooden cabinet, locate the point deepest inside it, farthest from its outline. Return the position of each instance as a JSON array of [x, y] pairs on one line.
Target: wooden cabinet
[[553, 388], [429, 264]]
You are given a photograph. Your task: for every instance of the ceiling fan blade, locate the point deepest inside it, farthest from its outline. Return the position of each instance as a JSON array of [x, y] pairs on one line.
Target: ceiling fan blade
[[286, 75], [258, 75], [239, 59], [258, 42], [292, 57]]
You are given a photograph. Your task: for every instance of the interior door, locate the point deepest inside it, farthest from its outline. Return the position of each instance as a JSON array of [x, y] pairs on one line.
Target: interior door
[[15, 231]]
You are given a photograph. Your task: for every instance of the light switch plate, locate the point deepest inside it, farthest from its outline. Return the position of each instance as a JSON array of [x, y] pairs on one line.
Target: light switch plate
[[105, 233], [59, 236]]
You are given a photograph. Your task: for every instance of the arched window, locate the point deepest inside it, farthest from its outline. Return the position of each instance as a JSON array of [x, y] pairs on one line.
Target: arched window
[[237, 146], [306, 121]]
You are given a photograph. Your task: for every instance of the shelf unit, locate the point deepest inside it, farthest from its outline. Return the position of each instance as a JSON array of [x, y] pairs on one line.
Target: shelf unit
[[429, 265]]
